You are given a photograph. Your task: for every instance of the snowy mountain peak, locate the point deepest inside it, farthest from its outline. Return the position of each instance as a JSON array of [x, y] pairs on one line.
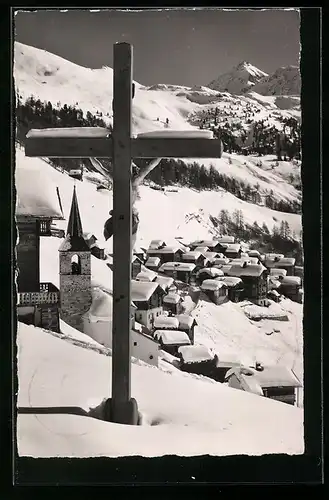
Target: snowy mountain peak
[[285, 80], [239, 79]]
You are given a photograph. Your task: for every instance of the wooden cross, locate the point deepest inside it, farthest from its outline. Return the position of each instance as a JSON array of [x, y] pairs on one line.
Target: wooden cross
[[119, 145]]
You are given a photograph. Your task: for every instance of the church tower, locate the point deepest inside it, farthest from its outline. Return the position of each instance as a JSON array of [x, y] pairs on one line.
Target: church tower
[[74, 271]]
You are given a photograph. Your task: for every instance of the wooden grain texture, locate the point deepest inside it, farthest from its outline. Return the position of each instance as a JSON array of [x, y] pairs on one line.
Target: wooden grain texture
[[122, 222]]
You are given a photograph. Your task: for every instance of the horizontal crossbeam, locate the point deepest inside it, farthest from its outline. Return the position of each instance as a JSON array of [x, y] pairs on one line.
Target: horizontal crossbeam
[[96, 142], [176, 148]]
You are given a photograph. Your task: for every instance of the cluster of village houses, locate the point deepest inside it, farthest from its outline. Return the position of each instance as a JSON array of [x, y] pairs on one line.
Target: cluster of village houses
[[162, 278]]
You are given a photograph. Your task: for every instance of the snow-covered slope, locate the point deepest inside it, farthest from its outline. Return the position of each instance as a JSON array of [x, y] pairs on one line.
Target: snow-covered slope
[[284, 81], [182, 415], [239, 79]]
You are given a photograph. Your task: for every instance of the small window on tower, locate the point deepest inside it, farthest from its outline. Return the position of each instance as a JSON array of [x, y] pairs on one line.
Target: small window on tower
[[75, 265]]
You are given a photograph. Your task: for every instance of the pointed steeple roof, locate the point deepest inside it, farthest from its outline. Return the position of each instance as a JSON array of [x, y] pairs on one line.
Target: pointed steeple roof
[[74, 241]]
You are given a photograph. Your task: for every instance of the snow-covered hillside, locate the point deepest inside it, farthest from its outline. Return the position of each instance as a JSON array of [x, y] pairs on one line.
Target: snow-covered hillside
[[182, 415], [239, 79]]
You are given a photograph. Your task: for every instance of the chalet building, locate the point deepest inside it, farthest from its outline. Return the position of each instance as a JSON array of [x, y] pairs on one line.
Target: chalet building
[[232, 250], [181, 271], [171, 340], [290, 287], [140, 253], [254, 277], [202, 249], [197, 359], [226, 239], [166, 254], [275, 382], [38, 204], [146, 275], [212, 245], [148, 298], [221, 261], [98, 326], [74, 271], [212, 256], [136, 266], [287, 263], [187, 324], [153, 263], [196, 258], [156, 244], [165, 282], [166, 323], [235, 287], [277, 273], [172, 302], [215, 290], [208, 273]]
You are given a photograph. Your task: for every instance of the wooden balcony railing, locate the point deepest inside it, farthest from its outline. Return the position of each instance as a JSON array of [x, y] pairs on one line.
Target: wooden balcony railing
[[48, 294]]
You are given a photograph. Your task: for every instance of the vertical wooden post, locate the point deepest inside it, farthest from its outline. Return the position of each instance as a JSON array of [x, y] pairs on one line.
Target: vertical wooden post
[[122, 408]]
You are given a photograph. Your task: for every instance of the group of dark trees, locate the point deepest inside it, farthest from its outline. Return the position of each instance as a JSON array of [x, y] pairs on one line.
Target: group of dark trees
[[285, 144], [36, 114], [281, 239]]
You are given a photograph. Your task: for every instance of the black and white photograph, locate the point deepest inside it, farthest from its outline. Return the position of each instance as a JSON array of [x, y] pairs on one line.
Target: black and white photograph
[[159, 254]]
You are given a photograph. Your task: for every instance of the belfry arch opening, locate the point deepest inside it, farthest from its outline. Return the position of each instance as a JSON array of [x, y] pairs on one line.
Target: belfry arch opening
[[75, 264]]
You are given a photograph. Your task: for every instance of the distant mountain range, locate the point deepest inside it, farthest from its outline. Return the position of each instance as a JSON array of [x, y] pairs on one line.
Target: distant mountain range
[[245, 77]]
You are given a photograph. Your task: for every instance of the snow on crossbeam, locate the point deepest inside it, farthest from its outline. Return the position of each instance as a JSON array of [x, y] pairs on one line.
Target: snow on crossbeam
[[87, 142]]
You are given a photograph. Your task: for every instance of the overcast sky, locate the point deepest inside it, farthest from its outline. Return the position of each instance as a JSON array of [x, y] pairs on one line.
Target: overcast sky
[[183, 47]]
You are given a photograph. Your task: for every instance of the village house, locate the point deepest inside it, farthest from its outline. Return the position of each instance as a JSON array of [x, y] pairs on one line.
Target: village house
[[290, 287], [140, 253], [156, 244], [208, 273], [165, 282], [215, 290], [254, 277], [197, 359], [202, 249], [221, 261], [187, 324], [275, 382], [98, 325], [234, 285], [136, 266], [172, 302], [148, 298], [166, 323], [232, 250], [146, 275], [213, 256], [277, 273], [181, 271], [153, 263], [196, 258], [171, 340], [226, 239], [95, 250], [166, 254], [38, 204], [287, 263]]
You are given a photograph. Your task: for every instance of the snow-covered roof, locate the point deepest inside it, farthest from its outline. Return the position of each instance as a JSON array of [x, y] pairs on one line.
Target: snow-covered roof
[[164, 281], [226, 239], [225, 268], [254, 253], [211, 256], [240, 261], [162, 321], [221, 261], [153, 261], [164, 250], [195, 354], [141, 291], [146, 275], [201, 249], [291, 281], [212, 285], [272, 256], [212, 271], [275, 271], [172, 298], [191, 255], [248, 270], [36, 194], [172, 337], [178, 266], [232, 247], [230, 281], [185, 321], [156, 244]]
